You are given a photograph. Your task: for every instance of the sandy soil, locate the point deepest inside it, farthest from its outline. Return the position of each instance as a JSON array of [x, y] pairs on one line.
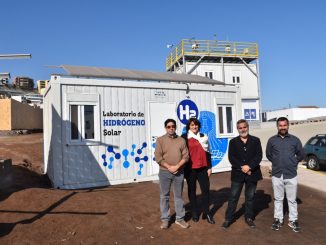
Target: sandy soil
[[31, 212]]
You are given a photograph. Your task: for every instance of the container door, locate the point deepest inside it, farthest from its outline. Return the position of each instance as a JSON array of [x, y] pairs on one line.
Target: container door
[[158, 113]]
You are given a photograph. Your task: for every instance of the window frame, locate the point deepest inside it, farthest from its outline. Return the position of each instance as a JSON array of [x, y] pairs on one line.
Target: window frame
[[224, 107], [209, 73], [80, 101]]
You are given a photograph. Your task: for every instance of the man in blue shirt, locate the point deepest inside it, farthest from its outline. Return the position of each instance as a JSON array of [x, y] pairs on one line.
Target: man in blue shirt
[[285, 152]]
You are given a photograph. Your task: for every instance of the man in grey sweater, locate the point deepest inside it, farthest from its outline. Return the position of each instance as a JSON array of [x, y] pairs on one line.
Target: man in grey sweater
[[171, 154], [285, 152]]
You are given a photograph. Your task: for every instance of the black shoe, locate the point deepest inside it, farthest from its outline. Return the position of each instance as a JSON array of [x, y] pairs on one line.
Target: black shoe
[[277, 224], [294, 225], [226, 224], [250, 223], [195, 218], [209, 218]]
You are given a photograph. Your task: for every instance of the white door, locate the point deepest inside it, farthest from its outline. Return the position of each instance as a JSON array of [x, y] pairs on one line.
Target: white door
[[158, 113]]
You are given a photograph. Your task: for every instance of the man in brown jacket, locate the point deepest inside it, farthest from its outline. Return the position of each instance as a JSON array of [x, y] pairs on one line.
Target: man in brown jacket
[[171, 154]]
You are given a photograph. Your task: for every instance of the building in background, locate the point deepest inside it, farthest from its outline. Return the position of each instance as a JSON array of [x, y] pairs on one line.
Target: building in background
[[4, 78], [41, 85], [233, 63], [24, 83], [300, 113]]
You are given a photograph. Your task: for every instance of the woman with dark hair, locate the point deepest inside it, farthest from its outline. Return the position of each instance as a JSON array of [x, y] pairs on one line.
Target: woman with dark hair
[[198, 168]]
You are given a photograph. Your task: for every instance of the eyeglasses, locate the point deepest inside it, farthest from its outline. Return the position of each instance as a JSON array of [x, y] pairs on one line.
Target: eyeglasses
[[170, 126]]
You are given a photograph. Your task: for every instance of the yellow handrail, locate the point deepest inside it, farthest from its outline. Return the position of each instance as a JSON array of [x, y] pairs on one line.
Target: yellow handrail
[[193, 47]]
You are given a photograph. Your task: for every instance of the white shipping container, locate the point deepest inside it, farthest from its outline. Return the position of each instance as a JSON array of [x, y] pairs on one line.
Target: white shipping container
[[100, 129]]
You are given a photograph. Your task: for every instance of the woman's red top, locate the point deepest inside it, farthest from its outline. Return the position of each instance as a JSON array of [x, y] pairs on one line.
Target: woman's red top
[[198, 158]]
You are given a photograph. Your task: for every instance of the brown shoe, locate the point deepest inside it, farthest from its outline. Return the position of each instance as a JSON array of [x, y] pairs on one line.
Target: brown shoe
[[164, 224], [182, 224]]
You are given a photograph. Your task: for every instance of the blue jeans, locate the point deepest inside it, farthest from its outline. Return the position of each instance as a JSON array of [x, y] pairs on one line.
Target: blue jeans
[[236, 188], [166, 180]]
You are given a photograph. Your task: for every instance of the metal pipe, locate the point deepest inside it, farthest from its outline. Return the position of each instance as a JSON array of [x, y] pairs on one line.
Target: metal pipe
[[15, 56]]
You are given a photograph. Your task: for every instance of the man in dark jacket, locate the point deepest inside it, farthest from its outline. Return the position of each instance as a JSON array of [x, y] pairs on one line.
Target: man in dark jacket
[[245, 155]]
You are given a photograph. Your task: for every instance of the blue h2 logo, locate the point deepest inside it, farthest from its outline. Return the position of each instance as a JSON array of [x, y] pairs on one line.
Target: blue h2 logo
[[185, 110]]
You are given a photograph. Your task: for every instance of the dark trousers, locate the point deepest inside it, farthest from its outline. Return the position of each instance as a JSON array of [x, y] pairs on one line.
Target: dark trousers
[[203, 180], [236, 188]]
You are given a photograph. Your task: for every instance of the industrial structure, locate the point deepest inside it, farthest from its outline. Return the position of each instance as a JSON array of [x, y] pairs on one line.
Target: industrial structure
[[230, 62]]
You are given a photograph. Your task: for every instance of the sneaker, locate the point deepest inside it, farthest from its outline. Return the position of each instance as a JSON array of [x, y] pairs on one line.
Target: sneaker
[[277, 224], [182, 224], [164, 224], [250, 223], [294, 225]]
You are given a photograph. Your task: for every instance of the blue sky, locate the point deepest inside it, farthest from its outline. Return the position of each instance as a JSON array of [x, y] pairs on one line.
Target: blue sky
[[134, 34]]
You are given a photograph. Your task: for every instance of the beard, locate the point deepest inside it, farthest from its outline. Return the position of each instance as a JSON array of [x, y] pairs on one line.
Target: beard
[[282, 132], [244, 134]]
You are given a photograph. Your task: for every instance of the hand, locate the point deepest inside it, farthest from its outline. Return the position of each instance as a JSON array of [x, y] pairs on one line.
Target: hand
[[209, 172], [173, 169], [245, 168], [249, 172]]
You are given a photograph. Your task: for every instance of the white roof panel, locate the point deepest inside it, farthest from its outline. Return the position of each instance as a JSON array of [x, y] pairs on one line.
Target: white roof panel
[[105, 72]]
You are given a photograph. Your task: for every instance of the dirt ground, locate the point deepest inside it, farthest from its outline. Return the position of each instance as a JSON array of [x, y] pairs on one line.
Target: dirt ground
[[31, 212]]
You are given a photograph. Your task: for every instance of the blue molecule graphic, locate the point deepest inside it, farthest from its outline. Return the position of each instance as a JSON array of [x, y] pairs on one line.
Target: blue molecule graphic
[[126, 164], [103, 156], [125, 152], [139, 151], [117, 156], [110, 148], [145, 158], [105, 164], [144, 144], [141, 165], [111, 161], [137, 159], [133, 147], [154, 145], [139, 172]]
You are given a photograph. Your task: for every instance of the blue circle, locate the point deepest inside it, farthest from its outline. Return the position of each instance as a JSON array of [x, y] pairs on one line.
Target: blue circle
[[141, 165], [154, 145], [139, 172], [103, 156], [111, 159], [133, 146], [139, 151], [125, 152], [117, 155], [132, 153], [185, 110], [110, 148], [110, 166], [137, 159], [153, 158], [145, 158], [144, 144], [126, 164], [105, 164]]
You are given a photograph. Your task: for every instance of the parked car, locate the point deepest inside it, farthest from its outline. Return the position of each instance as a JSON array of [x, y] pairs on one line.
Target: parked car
[[315, 150]]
